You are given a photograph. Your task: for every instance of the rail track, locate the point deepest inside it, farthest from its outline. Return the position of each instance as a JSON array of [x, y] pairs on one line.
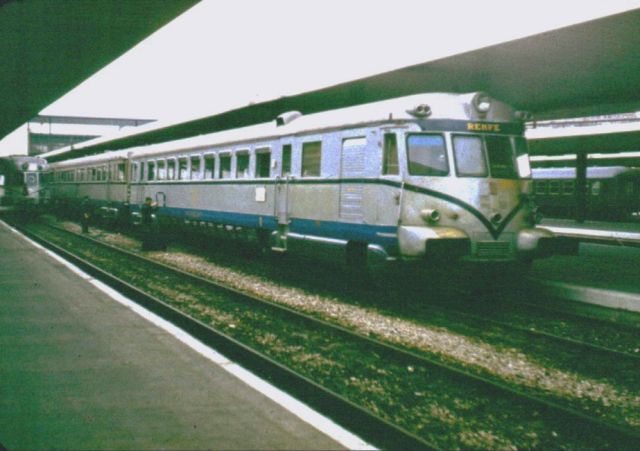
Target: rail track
[[533, 329], [424, 406]]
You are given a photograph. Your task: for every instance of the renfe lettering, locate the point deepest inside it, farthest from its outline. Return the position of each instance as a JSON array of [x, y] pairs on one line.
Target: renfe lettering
[[481, 127]]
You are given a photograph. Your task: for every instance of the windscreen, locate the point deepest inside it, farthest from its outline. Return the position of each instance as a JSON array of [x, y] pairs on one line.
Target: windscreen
[[501, 157], [484, 155], [469, 155], [427, 155]]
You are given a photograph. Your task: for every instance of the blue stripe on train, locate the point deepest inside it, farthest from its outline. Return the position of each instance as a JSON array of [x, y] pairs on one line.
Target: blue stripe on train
[[328, 229]]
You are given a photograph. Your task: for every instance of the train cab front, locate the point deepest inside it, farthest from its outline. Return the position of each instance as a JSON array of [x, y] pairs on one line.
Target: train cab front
[[467, 189]]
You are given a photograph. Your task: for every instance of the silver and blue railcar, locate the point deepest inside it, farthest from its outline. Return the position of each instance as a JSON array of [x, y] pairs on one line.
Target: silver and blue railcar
[[437, 175]]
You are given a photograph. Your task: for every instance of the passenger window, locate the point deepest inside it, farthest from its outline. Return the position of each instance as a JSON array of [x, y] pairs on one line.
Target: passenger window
[[286, 160], [596, 187], [121, 171], [311, 157], [162, 170], [225, 166], [567, 187], [540, 187], [427, 155], [134, 172], [554, 187], [171, 169], [151, 170], [263, 162], [195, 168], [469, 156], [390, 155], [183, 169], [628, 188], [242, 165], [209, 166]]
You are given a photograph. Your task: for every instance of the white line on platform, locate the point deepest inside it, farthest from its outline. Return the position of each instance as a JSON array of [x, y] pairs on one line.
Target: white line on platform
[[299, 409], [598, 296], [611, 234]]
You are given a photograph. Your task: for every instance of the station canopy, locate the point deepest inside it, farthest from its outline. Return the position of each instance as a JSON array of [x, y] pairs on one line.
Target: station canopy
[[587, 69]]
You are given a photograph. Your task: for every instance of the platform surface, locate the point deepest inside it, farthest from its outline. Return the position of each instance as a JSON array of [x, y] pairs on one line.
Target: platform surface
[[606, 270], [81, 371]]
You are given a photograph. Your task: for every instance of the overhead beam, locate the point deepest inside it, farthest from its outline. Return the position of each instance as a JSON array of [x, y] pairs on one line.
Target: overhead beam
[[48, 47], [591, 68], [586, 143]]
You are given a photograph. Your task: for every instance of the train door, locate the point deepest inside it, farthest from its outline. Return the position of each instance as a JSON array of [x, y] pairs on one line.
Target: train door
[[282, 202], [111, 178], [352, 171]]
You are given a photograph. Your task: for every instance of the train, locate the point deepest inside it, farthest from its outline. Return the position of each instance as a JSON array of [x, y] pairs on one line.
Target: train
[[20, 182], [436, 176], [612, 192]]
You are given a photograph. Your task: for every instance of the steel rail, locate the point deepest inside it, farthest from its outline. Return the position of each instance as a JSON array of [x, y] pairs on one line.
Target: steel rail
[[579, 316], [540, 306], [540, 333]]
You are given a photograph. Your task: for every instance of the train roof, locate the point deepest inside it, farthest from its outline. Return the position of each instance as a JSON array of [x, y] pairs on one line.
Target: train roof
[[593, 172], [442, 105]]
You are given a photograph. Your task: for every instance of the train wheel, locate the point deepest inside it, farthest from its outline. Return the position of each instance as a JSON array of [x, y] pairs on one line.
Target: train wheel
[[356, 255], [264, 246]]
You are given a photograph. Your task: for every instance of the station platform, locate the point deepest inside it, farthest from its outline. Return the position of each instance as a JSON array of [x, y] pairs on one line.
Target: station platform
[[81, 370], [605, 271]]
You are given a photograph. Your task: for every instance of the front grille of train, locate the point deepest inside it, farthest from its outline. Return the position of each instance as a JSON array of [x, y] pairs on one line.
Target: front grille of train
[[493, 249]]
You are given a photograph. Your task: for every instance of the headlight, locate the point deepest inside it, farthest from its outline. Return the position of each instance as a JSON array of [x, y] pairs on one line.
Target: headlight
[[482, 103], [430, 215]]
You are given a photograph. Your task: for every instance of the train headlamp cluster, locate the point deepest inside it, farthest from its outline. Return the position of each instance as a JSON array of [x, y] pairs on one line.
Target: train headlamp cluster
[[422, 110], [482, 103]]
